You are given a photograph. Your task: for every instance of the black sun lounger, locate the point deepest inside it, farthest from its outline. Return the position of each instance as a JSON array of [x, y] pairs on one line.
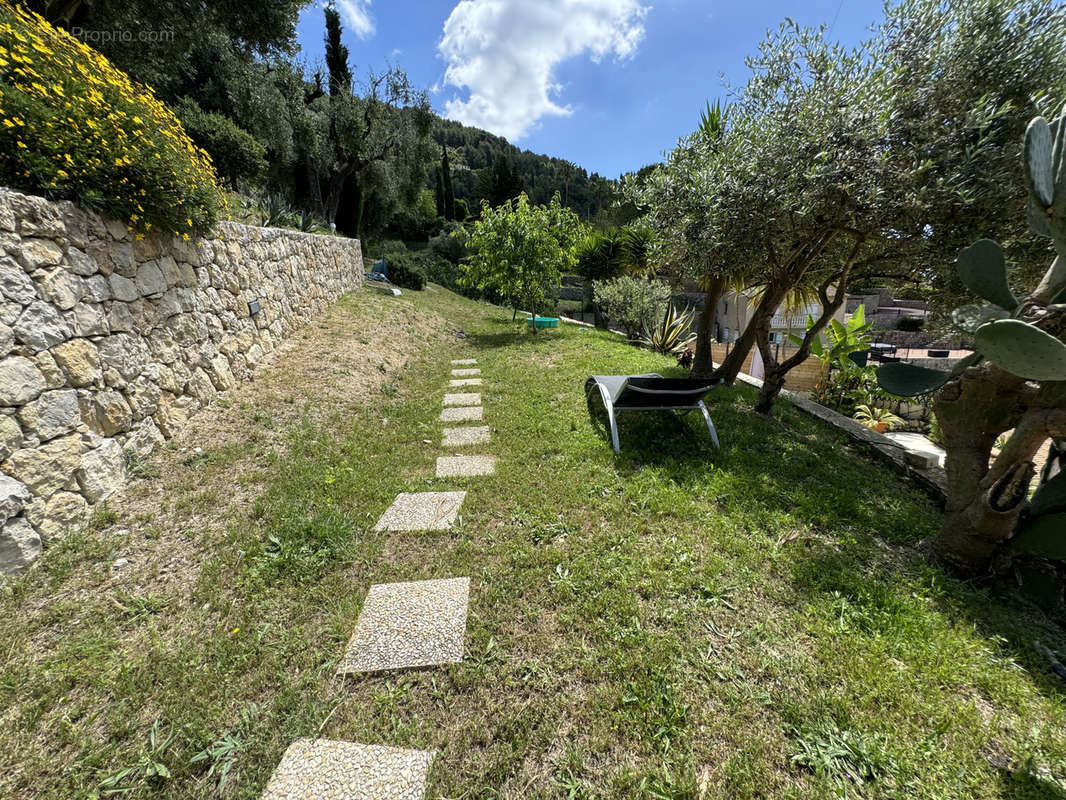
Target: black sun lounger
[[651, 392]]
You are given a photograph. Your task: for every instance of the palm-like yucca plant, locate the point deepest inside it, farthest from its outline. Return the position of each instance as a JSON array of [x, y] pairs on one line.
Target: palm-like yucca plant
[[673, 334], [876, 419], [635, 250]]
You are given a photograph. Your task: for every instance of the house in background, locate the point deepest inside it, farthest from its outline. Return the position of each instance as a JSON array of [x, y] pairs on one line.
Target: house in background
[[735, 310], [885, 311]]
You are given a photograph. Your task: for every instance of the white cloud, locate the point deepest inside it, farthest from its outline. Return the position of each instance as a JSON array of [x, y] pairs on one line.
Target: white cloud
[[505, 52], [356, 17]]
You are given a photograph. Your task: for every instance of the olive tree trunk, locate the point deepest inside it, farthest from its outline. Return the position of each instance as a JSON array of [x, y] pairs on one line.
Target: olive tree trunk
[[985, 501], [702, 363], [775, 373], [762, 317]]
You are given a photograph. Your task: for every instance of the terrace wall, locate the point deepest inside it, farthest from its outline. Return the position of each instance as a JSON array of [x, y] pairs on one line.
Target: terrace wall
[[109, 343]]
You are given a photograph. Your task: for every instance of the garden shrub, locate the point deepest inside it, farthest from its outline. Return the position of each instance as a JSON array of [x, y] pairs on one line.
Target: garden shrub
[[75, 127], [448, 244], [407, 270], [632, 303], [238, 156]]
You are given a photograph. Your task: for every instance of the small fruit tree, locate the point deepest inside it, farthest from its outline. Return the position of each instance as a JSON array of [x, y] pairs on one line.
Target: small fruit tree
[[1015, 381], [521, 249]]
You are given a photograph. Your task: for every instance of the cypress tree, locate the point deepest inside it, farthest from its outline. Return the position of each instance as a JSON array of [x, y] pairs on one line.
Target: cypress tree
[[449, 193], [439, 194], [340, 76]]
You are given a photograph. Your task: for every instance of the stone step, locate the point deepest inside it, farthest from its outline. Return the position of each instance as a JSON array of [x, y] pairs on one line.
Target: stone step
[[462, 399], [403, 625], [462, 466], [421, 511], [462, 414], [465, 382], [460, 361], [326, 769], [457, 437], [466, 372]]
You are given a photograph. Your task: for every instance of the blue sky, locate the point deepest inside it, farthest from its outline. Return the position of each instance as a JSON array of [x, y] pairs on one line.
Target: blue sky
[[607, 84]]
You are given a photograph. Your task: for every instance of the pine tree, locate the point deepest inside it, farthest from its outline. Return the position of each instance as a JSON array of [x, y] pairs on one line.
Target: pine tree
[[340, 76]]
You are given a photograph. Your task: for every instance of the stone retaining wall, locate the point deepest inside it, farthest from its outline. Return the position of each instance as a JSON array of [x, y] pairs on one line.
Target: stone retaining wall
[[109, 343]]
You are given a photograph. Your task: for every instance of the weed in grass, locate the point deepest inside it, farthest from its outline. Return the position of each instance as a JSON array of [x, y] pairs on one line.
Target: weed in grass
[[139, 467], [841, 755], [102, 517], [196, 459], [221, 755], [150, 769]]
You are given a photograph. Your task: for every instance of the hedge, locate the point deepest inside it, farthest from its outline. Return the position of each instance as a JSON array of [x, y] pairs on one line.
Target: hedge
[[73, 126]]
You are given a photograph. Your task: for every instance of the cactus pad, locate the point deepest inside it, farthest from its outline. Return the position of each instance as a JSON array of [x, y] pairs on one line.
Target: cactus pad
[[1022, 349], [908, 380], [1038, 163], [983, 269]]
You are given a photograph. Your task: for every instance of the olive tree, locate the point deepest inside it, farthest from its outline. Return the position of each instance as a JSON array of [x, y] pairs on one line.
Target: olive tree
[[843, 165]]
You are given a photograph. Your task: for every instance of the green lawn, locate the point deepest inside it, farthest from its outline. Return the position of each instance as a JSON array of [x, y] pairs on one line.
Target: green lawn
[[674, 622]]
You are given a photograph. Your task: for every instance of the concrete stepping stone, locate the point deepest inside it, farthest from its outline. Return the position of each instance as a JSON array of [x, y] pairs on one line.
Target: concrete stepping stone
[[421, 511], [462, 399], [462, 466], [457, 437], [460, 373], [460, 361], [415, 624], [323, 769], [464, 382], [462, 414]]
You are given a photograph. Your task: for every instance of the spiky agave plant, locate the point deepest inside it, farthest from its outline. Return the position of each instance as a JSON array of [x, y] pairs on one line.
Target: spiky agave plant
[[673, 334]]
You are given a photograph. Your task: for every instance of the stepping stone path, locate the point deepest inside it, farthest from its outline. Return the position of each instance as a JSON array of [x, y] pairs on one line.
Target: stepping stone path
[[457, 437], [421, 511], [462, 414], [404, 625], [462, 399], [448, 466], [317, 769]]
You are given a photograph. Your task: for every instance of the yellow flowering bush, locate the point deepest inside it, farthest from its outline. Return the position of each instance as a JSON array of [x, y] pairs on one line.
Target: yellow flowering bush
[[73, 126]]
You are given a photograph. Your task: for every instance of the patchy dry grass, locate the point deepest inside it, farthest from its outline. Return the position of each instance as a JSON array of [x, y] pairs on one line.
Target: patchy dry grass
[[675, 622]]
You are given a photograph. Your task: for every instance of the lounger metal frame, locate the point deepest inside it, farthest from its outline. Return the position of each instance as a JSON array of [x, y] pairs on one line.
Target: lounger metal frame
[[612, 408]]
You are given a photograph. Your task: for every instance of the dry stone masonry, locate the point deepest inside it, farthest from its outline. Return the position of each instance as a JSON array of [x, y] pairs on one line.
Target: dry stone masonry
[[109, 343]]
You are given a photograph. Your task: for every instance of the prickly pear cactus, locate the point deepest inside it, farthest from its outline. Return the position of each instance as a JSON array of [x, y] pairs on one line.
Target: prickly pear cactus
[[1020, 335]]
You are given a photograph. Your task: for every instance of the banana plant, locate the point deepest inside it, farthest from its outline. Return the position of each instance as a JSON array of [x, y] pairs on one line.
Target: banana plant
[[847, 341], [1015, 380]]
